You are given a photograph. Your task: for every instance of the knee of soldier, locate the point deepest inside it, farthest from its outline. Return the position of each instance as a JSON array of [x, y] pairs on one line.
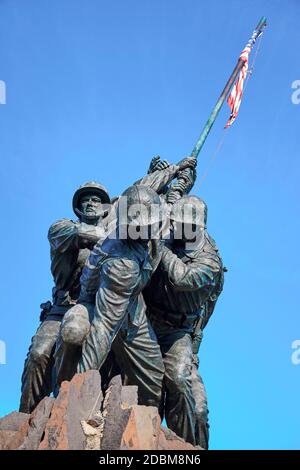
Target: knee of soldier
[[39, 354], [75, 325], [180, 380], [201, 409], [201, 412]]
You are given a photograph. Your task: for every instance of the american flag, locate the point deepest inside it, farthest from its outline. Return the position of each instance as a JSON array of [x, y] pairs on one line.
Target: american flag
[[235, 97]]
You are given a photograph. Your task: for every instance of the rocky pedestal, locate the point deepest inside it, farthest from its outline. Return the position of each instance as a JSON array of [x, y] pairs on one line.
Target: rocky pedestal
[[80, 418]]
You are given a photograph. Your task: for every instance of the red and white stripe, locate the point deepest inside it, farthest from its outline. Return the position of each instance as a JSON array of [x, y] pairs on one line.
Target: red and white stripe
[[235, 97]]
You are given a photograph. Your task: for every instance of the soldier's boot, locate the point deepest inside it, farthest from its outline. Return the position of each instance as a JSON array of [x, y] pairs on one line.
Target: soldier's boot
[[180, 407], [201, 415], [180, 403], [37, 373]]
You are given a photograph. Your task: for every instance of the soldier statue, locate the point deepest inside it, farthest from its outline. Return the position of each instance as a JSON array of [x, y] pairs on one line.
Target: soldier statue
[[180, 299], [70, 245], [113, 279]]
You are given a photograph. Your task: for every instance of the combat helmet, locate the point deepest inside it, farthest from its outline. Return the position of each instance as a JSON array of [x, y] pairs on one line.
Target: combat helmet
[[91, 187], [188, 217], [190, 210], [140, 208]]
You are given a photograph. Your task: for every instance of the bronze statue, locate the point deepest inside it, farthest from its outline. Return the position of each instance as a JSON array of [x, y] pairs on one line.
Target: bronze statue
[[180, 299], [70, 245], [117, 271], [140, 298]]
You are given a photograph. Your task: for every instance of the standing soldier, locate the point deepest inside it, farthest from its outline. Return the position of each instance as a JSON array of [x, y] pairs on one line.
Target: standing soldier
[[70, 244], [180, 299]]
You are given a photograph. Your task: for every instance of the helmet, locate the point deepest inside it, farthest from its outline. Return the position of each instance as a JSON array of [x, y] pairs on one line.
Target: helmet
[[139, 208], [190, 210], [88, 188]]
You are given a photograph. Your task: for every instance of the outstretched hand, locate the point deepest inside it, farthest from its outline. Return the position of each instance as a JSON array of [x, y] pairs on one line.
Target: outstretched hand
[[157, 164]]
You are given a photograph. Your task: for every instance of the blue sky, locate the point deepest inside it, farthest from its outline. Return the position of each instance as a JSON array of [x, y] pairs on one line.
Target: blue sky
[[94, 90]]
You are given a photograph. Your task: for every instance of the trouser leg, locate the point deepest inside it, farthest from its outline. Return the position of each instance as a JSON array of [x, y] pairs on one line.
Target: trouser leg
[[201, 415], [37, 374], [109, 370], [139, 358], [66, 358], [98, 341], [179, 398], [74, 328]]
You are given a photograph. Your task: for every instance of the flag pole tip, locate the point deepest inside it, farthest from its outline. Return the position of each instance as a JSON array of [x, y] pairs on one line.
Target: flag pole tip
[[263, 21]]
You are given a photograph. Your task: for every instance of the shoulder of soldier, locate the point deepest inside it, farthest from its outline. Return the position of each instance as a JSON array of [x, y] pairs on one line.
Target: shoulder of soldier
[[210, 245], [122, 273], [60, 224], [208, 255], [116, 248], [117, 251], [210, 241], [123, 264]]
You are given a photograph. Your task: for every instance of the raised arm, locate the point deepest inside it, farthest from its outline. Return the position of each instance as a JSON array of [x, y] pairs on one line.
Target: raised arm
[[159, 178], [162, 177], [182, 186]]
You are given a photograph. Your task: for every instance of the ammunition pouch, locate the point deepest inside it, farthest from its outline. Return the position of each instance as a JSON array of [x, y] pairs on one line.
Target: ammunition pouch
[[46, 308]]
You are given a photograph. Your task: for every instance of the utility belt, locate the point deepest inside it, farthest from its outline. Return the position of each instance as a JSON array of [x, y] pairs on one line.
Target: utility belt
[[185, 321], [61, 297], [51, 311]]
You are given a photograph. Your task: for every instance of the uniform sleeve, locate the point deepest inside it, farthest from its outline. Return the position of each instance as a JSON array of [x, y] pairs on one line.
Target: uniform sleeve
[[159, 178], [189, 277], [66, 234], [90, 277], [120, 275], [185, 182], [212, 300], [88, 235], [62, 235]]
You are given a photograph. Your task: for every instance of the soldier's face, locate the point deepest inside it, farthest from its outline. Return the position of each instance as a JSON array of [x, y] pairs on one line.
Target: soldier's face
[[91, 205], [184, 232]]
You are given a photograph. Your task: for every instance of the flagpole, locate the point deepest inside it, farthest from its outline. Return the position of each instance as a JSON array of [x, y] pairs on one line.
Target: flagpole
[[209, 123]]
